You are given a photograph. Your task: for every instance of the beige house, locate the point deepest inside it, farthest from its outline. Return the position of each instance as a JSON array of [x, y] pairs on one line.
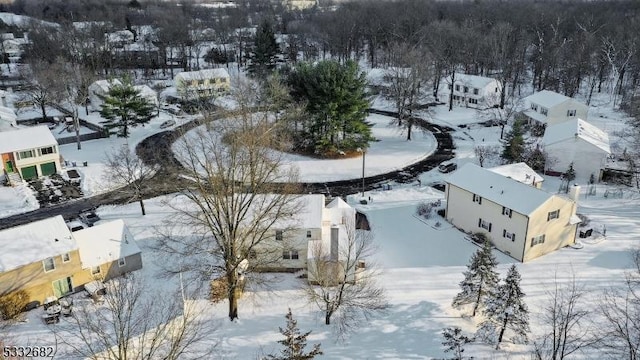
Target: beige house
[[44, 258], [202, 83], [29, 152], [549, 108], [519, 219], [292, 242]]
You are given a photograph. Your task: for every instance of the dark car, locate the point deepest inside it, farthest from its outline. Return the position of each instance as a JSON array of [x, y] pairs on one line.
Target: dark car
[[447, 167], [89, 218]]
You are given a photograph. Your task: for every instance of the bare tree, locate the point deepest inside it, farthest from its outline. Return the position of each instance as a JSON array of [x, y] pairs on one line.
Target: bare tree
[[133, 323], [485, 153], [240, 190], [566, 323], [130, 173], [45, 88], [339, 284], [621, 312]]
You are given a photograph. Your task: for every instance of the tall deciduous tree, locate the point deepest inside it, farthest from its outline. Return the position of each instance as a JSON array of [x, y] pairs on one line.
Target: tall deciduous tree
[[231, 206], [45, 88], [265, 50], [480, 279], [294, 343], [337, 103], [124, 107], [505, 310]]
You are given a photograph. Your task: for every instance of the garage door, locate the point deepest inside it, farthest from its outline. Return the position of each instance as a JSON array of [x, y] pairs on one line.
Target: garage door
[[29, 172], [48, 168]]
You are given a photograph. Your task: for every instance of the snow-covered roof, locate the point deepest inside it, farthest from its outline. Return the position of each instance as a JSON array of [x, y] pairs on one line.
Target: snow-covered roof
[[104, 85], [536, 116], [147, 92], [502, 190], [33, 242], [203, 74], [547, 98], [577, 128], [310, 214], [519, 171], [473, 80], [105, 243], [26, 138]]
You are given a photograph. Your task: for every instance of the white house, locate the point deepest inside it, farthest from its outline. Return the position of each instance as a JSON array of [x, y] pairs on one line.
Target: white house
[[579, 143], [472, 91], [520, 172], [98, 90], [148, 94], [29, 152], [519, 219], [202, 83], [7, 119], [549, 108]]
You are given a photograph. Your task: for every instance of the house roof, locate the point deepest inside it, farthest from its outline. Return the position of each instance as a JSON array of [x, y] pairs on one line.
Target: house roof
[[104, 85], [104, 243], [547, 98], [520, 172], [473, 80], [146, 92], [577, 128], [33, 242], [26, 138], [502, 190], [203, 74], [535, 116]]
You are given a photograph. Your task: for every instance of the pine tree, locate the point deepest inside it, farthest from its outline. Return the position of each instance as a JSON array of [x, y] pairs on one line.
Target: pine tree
[[455, 341], [124, 107], [294, 343], [480, 279], [570, 175], [265, 50], [514, 146], [505, 310]]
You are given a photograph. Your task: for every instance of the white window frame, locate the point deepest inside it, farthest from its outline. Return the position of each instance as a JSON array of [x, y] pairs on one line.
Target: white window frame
[[571, 113], [66, 257], [294, 255], [286, 255], [308, 234], [41, 152], [477, 199], [509, 235], [122, 262], [458, 88], [44, 264], [552, 215], [506, 211], [279, 235], [476, 91], [485, 225], [537, 240], [534, 107]]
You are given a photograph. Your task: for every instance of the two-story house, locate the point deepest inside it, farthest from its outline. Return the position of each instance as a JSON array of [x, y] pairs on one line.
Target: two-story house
[[292, 241], [45, 258], [202, 83], [29, 152], [472, 91], [547, 108], [99, 89], [519, 219], [579, 144]]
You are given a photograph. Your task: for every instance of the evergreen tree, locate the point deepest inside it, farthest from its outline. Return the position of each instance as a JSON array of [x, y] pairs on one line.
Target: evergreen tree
[[294, 343], [124, 107], [505, 309], [455, 341], [514, 146], [570, 174], [265, 50], [480, 279], [337, 103]]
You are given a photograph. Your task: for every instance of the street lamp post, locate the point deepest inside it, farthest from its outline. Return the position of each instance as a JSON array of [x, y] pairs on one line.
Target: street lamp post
[[363, 159]]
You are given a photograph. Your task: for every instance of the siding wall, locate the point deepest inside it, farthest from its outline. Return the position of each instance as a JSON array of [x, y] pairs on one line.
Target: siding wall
[[269, 251], [558, 113], [558, 233]]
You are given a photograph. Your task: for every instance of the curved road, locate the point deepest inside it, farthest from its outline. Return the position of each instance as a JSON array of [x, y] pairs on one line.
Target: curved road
[[157, 149]]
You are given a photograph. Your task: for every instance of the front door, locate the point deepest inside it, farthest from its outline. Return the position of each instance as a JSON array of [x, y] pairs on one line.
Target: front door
[[9, 166], [62, 287]]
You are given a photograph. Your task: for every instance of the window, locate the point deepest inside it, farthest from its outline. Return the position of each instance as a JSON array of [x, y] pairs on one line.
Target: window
[[457, 87], [49, 264], [252, 254], [544, 111], [47, 150], [571, 113], [496, 90], [308, 234], [279, 235], [484, 224], [477, 198], [534, 107], [476, 91], [537, 240], [450, 87], [553, 215], [121, 262], [25, 154], [95, 270], [466, 89], [506, 211], [290, 255], [223, 80], [294, 254], [473, 101], [286, 255], [508, 235], [66, 257]]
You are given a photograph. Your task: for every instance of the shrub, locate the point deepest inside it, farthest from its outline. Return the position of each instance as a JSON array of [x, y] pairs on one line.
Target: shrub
[[425, 210], [13, 304], [480, 237]]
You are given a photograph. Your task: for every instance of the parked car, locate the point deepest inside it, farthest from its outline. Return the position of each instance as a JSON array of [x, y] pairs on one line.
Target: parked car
[[168, 123], [75, 225], [447, 167], [89, 218]]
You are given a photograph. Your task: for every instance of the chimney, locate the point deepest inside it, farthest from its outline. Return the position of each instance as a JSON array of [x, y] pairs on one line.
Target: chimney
[[574, 192], [335, 232]]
